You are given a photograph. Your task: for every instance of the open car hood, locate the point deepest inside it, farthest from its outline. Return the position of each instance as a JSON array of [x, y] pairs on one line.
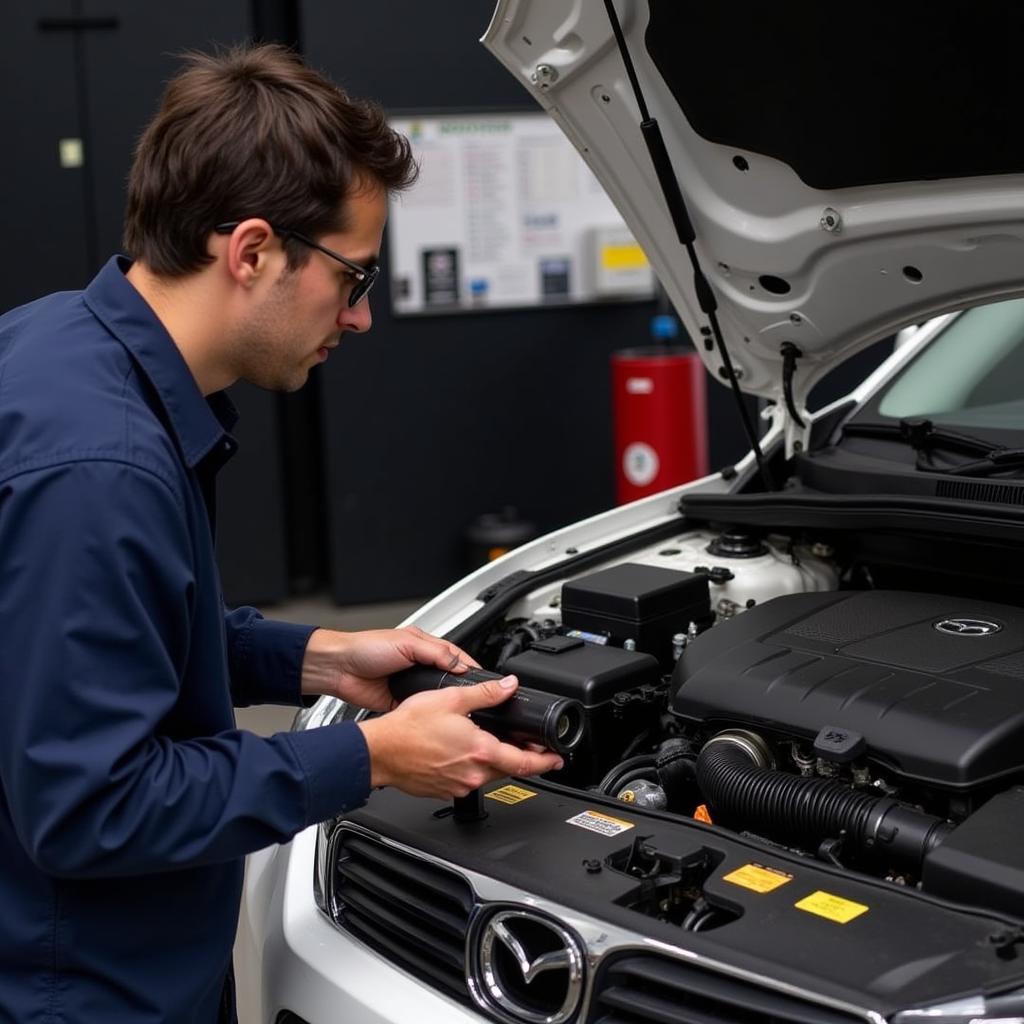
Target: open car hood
[[847, 172]]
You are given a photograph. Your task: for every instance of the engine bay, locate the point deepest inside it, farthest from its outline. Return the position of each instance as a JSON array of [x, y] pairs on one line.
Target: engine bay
[[773, 765], [751, 682]]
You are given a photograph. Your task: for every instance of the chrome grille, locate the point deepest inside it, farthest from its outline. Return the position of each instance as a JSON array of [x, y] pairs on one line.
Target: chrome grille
[[410, 911], [656, 990]]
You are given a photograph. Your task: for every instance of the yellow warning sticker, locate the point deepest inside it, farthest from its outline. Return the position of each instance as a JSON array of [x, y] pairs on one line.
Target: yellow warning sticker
[[510, 794], [835, 908], [624, 256], [595, 821], [757, 877]]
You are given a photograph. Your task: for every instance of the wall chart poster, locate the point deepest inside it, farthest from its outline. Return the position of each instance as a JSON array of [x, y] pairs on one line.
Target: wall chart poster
[[505, 214]]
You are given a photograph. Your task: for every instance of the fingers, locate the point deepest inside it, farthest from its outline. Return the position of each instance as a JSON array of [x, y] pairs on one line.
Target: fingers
[[482, 695], [504, 759], [459, 660], [428, 747], [431, 650], [510, 760]]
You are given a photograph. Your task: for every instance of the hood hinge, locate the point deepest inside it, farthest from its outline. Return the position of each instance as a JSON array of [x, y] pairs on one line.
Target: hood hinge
[[795, 421]]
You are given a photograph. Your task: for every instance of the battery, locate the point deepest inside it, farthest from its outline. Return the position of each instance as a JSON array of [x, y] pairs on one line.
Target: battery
[[643, 603]]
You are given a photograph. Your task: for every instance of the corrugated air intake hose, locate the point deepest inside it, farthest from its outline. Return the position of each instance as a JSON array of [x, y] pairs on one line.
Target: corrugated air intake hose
[[801, 811]]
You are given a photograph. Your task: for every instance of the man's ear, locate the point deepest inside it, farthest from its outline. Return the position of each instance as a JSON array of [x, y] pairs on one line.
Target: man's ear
[[248, 251]]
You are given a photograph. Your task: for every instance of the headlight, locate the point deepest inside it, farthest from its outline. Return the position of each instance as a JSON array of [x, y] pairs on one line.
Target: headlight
[[320, 866], [1003, 1009], [326, 711]]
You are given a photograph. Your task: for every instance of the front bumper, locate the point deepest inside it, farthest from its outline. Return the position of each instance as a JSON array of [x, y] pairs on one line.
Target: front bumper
[[905, 950]]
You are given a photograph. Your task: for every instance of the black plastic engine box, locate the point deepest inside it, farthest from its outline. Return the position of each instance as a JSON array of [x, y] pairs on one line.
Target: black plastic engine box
[[644, 603], [613, 686], [981, 861]]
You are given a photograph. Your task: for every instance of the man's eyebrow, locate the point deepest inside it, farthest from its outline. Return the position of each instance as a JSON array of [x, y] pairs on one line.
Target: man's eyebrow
[[363, 261]]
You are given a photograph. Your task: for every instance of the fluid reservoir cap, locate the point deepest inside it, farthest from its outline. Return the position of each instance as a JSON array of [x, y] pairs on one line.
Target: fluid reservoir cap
[[834, 743], [716, 574], [737, 544], [643, 794]]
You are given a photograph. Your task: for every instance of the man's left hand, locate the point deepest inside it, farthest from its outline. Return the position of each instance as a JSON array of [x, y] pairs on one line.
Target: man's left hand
[[356, 666]]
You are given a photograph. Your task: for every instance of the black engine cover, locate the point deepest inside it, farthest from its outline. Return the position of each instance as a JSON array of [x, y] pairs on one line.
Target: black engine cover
[[935, 684]]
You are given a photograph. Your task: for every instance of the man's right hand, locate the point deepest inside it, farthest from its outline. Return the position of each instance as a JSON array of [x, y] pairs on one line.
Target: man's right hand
[[428, 747]]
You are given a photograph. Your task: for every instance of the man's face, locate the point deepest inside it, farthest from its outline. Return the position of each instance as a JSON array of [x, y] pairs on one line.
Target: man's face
[[306, 311]]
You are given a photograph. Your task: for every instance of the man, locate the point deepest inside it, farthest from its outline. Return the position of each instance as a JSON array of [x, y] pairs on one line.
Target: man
[[256, 205]]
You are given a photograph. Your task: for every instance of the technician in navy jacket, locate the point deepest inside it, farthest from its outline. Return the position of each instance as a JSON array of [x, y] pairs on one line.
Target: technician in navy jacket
[[256, 205]]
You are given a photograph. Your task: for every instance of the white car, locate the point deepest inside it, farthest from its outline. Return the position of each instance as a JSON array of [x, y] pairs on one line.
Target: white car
[[796, 785]]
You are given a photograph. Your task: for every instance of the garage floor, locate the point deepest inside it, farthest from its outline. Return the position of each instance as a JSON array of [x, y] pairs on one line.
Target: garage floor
[[267, 720]]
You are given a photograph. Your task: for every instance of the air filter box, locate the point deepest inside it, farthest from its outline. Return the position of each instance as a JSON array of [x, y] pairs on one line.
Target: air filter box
[[981, 861], [644, 603]]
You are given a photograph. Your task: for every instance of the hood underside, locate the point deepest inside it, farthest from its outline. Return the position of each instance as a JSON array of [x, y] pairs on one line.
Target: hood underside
[[847, 171]]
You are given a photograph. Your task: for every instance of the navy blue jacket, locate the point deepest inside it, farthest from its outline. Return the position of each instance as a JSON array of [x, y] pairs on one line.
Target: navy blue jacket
[[129, 797]]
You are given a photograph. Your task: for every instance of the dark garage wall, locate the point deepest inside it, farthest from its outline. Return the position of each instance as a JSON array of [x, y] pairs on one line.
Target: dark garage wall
[[101, 83]]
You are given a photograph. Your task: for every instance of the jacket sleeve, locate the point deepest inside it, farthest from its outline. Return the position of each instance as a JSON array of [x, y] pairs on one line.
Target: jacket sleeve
[[264, 658], [96, 594]]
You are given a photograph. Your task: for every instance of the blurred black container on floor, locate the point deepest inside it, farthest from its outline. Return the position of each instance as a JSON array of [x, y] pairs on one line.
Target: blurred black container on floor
[[492, 534]]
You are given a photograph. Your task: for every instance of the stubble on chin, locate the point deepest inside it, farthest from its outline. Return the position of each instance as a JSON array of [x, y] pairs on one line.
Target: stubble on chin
[[276, 375]]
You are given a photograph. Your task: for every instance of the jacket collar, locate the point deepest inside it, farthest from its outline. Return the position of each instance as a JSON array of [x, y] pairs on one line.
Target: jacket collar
[[199, 425]]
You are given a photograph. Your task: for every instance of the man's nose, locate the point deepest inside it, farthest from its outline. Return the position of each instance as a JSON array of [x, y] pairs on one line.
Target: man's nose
[[356, 318]]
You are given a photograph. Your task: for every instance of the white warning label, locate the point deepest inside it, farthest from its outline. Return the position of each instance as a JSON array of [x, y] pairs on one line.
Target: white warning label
[[595, 821]]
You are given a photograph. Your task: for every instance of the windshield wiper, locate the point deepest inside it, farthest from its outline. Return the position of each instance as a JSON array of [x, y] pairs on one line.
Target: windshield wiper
[[924, 437], [1000, 460], [922, 434]]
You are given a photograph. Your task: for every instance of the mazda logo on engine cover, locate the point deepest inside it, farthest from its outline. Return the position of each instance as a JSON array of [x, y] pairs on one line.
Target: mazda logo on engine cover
[[968, 627], [528, 967]]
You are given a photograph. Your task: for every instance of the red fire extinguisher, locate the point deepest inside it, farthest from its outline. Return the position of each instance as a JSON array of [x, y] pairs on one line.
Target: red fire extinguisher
[[659, 403]]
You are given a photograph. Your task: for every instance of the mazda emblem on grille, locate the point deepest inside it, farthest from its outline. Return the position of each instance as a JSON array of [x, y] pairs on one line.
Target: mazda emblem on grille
[[967, 627], [527, 967]]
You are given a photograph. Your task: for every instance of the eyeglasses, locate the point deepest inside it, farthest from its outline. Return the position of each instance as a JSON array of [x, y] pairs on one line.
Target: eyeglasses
[[364, 276]]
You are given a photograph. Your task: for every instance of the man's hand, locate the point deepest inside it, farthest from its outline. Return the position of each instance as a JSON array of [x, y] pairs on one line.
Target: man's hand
[[428, 747], [356, 666]]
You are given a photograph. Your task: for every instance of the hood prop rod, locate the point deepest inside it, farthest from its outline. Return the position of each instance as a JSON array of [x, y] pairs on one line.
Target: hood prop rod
[[669, 183]]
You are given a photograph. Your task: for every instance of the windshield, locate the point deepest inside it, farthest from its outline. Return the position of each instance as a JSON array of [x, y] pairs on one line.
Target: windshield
[[971, 375]]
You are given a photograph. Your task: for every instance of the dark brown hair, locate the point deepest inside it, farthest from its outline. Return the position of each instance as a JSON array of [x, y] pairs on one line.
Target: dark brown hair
[[252, 132]]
